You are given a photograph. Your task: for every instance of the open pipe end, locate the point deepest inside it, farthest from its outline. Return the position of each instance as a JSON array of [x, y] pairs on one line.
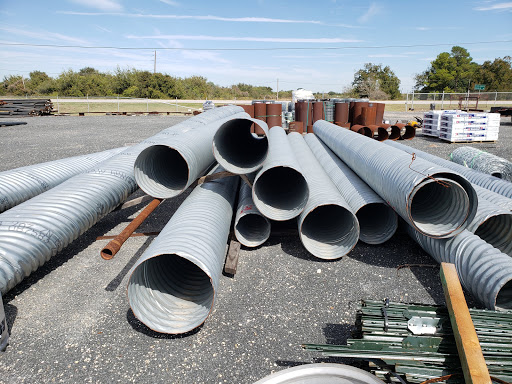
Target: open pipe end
[[504, 297], [161, 171], [236, 149], [329, 231], [378, 222], [170, 294], [108, 253], [382, 134], [394, 133], [409, 134], [497, 231], [439, 207], [252, 229]]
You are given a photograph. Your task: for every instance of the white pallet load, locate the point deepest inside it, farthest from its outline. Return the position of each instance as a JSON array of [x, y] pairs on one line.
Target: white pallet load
[[432, 121], [469, 126]]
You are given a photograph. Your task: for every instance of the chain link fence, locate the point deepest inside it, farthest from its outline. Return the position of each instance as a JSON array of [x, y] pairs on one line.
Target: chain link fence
[[468, 100]]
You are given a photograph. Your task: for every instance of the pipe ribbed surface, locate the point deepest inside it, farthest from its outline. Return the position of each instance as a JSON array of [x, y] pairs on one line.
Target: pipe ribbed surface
[[251, 227], [482, 161], [493, 197], [280, 191], [172, 286], [437, 202], [236, 149], [328, 228], [20, 184], [377, 220], [483, 270], [484, 180], [34, 231], [181, 154]]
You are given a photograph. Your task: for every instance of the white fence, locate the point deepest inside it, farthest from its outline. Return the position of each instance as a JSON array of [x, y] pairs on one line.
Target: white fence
[[475, 100]]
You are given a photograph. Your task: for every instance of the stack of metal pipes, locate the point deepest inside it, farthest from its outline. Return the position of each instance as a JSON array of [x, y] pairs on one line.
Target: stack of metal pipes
[[339, 186]]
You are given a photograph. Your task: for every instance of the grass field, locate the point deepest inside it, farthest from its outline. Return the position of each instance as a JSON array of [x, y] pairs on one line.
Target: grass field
[[74, 108]]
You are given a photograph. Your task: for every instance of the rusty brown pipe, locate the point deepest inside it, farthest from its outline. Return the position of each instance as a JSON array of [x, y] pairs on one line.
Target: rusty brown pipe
[[400, 129], [363, 130], [409, 134], [115, 245], [393, 131], [382, 133]]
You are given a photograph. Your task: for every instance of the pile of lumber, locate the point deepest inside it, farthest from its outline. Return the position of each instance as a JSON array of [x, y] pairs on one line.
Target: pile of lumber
[[25, 107]]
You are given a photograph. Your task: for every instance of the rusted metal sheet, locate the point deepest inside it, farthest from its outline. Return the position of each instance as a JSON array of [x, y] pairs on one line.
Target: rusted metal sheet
[[274, 112], [296, 126], [368, 115], [318, 111], [341, 113]]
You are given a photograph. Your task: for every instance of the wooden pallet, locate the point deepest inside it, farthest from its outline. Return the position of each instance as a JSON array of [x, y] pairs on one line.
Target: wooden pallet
[[468, 142]]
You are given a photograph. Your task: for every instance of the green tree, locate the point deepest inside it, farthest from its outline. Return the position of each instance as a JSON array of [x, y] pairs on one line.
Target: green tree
[[376, 82], [495, 75], [450, 72], [13, 85]]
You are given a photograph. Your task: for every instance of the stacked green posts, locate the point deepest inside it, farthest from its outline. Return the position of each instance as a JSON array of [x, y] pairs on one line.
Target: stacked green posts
[[417, 343]]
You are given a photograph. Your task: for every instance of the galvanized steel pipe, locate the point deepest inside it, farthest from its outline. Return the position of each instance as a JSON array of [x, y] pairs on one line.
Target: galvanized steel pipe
[[328, 228], [172, 286], [20, 184], [377, 220], [280, 190], [482, 161], [181, 154], [251, 227], [486, 181], [236, 149], [483, 270], [437, 202]]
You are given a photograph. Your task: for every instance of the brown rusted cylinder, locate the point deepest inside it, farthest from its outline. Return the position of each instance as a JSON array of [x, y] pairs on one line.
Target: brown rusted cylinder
[[409, 134], [310, 129], [274, 112], [260, 113], [368, 115], [306, 112], [341, 112], [298, 106], [356, 110], [379, 116], [393, 131], [399, 128], [379, 133], [363, 130], [318, 111], [115, 244], [296, 126], [249, 109]]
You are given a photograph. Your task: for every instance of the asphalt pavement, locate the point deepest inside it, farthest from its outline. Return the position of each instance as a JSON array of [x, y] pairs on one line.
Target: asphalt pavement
[[70, 321]]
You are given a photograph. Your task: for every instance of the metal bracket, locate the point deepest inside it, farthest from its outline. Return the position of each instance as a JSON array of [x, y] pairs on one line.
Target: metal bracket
[[385, 314], [423, 325]]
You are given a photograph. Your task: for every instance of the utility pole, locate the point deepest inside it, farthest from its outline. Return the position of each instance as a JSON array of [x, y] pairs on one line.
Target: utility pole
[[277, 96], [154, 68]]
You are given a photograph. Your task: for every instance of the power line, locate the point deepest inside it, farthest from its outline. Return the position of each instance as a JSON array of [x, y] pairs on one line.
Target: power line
[[253, 49]]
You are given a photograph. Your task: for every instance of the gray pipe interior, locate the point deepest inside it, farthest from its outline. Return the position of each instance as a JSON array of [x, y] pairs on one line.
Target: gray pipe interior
[[237, 149], [161, 170], [439, 207], [252, 229], [497, 231], [504, 297], [377, 223]]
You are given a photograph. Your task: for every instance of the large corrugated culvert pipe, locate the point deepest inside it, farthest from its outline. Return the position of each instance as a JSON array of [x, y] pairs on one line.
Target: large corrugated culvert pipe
[[280, 190], [377, 220], [437, 202], [251, 227], [172, 286], [238, 150], [34, 231], [493, 197], [182, 154], [486, 181], [482, 161], [328, 228], [483, 270], [20, 184]]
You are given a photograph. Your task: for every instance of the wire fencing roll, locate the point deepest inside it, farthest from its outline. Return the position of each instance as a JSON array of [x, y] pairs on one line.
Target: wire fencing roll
[[328, 228], [482, 179], [483, 270], [482, 161], [280, 190], [181, 154], [251, 227], [377, 220], [437, 202], [172, 286], [20, 184], [237, 149]]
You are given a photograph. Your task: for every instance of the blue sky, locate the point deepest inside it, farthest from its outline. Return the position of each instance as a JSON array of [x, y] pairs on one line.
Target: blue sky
[[278, 37]]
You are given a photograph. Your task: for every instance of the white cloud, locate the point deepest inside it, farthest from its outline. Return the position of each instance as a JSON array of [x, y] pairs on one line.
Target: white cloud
[[495, 7], [387, 55], [252, 39], [102, 29], [373, 9], [44, 35], [170, 2], [103, 5]]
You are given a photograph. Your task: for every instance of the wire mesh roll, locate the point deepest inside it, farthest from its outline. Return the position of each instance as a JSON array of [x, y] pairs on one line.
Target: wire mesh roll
[[482, 161]]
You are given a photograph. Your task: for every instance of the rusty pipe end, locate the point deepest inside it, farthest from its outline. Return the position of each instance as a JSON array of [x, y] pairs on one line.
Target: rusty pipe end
[[382, 134], [110, 250]]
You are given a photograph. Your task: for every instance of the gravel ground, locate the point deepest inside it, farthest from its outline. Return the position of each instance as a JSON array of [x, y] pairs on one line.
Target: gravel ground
[[70, 321]]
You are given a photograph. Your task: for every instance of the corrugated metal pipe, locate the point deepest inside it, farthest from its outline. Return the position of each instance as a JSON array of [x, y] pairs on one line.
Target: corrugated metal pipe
[[34, 231], [181, 154], [20, 184], [328, 228], [172, 286], [482, 179], [493, 197], [482, 161], [483, 270], [238, 150], [377, 220], [251, 227], [280, 190], [437, 202]]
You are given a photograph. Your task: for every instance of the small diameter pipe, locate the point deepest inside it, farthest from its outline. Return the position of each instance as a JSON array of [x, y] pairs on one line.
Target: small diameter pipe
[[280, 190], [377, 220], [382, 133], [328, 228], [251, 227], [361, 129], [236, 149], [115, 244]]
